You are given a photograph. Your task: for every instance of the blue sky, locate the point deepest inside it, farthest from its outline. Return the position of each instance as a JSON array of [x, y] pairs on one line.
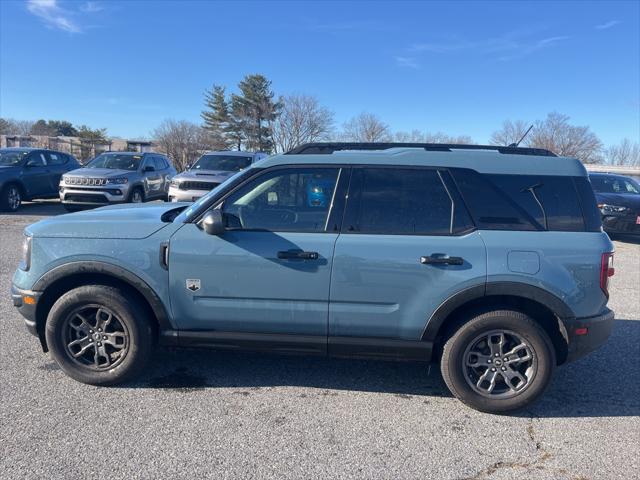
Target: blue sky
[[455, 67]]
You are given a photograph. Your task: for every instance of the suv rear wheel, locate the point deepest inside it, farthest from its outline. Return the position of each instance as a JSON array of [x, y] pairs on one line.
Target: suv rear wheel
[[498, 361], [10, 198], [98, 335]]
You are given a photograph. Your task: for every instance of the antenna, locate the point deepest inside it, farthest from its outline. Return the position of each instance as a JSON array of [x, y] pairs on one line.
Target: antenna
[[523, 137]]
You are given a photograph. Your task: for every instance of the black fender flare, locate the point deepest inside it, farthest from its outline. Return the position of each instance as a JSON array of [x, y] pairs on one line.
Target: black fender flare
[[109, 269], [514, 289]]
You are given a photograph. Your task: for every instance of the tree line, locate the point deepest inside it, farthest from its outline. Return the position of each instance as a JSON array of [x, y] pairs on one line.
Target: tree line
[[253, 118]]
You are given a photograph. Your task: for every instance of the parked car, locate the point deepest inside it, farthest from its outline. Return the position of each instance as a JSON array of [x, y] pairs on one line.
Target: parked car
[[211, 169], [31, 173], [491, 260], [117, 177], [618, 199]]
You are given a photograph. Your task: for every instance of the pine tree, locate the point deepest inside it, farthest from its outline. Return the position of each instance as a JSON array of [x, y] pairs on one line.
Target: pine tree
[[253, 112], [216, 117]]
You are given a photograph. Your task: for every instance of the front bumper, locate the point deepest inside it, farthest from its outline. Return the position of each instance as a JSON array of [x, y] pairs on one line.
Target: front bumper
[[83, 195], [26, 301], [587, 334], [179, 195], [627, 224]]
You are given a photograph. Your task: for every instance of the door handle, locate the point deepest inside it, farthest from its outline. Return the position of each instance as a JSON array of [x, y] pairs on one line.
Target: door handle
[[440, 259], [297, 254]]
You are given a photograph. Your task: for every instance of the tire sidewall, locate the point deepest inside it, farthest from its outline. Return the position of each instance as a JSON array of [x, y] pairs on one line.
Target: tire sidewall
[[127, 311], [133, 192], [453, 360]]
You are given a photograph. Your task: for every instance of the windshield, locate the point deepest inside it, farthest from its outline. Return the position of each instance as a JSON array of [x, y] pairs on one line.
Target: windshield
[[615, 185], [115, 161], [228, 163], [11, 158]]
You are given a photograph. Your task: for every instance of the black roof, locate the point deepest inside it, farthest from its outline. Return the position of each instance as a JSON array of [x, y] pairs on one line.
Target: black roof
[[330, 147]]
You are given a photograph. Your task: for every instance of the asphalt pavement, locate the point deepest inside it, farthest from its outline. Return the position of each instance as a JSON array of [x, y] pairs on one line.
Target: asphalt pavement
[[199, 414]]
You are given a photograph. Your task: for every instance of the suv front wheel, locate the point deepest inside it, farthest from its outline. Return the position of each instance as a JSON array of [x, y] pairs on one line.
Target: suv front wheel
[[498, 361], [99, 335]]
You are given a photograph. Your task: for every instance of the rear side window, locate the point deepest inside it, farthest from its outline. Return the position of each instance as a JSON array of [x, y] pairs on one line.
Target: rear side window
[[55, 158], [403, 202], [521, 202]]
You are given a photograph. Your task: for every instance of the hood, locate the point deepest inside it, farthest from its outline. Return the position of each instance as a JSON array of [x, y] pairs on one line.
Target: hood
[[126, 221], [205, 175], [629, 200], [98, 172]]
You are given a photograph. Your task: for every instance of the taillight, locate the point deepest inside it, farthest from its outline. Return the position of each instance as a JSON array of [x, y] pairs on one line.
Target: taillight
[[606, 271]]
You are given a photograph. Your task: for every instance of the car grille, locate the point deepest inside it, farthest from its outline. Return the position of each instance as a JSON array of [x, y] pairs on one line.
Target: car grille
[[197, 185], [85, 181], [75, 197]]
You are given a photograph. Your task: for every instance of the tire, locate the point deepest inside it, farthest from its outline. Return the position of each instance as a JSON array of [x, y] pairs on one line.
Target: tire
[[517, 382], [10, 198], [136, 193], [99, 335]]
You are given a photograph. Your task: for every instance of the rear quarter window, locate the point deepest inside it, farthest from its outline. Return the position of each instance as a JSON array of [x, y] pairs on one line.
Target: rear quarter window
[[521, 202]]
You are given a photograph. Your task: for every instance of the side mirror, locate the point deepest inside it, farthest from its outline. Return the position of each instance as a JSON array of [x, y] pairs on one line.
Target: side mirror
[[213, 222], [149, 168], [188, 166]]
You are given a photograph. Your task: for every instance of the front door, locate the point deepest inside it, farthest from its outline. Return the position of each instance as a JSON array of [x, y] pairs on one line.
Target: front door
[[269, 272]]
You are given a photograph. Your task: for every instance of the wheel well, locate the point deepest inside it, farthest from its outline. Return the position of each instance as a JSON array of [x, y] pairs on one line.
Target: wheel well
[[18, 184], [62, 285], [537, 311]]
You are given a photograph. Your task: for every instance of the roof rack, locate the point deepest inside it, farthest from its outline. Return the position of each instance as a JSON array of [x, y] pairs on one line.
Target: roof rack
[[327, 148]]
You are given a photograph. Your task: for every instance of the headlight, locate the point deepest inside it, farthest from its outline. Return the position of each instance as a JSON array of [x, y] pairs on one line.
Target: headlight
[[117, 181], [25, 261], [175, 183], [612, 209]]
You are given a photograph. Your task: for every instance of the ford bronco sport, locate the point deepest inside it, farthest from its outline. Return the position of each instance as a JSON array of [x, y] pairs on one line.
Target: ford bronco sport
[[491, 260]]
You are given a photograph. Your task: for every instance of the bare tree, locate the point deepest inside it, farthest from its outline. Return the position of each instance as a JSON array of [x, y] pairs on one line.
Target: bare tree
[[625, 153], [11, 126], [511, 132], [182, 141], [440, 137], [302, 120], [555, 133], [366, 127]]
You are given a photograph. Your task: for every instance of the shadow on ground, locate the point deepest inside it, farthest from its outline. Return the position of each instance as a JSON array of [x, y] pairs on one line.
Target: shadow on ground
[[606, 383]]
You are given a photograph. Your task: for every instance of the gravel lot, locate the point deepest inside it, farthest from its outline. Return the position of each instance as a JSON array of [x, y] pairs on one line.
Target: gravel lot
[[228, 415]]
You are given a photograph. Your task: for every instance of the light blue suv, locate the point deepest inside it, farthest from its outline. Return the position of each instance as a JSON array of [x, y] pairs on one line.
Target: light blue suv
[[491, 260]]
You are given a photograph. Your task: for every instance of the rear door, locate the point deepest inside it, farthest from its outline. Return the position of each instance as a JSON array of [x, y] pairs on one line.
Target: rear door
[[407, 244], [56, 162], [36, 175]]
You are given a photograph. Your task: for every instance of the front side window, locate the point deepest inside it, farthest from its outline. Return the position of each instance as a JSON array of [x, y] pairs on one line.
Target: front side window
[[56, 158], [116, 161], [227, 163], [10, 159], [284, 200], [401, 202]]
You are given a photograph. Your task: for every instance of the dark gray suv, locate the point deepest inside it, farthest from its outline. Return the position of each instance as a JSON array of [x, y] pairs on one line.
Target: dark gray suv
[[30, 173], [117, 177]]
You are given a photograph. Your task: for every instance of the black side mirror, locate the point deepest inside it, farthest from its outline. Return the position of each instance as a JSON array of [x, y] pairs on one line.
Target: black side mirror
[[149, 168], [213, 222]]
